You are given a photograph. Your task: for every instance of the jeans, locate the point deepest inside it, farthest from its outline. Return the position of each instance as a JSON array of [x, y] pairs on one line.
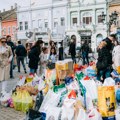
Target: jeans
[[85, 58], [11, 68], [33, 71], [104, 74], [73, 58], [20, 59]]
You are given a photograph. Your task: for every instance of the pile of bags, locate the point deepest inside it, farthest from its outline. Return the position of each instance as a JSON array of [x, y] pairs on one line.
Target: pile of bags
[[67, 92]]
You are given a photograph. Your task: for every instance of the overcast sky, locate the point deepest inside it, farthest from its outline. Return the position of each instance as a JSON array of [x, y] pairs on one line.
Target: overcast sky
[[6, 4]]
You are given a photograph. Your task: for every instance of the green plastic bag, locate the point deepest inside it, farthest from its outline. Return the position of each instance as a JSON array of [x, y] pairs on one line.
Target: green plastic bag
[[57, 88]]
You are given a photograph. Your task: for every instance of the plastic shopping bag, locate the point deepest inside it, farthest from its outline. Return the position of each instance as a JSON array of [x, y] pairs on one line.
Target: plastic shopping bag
[[21, 81], [53, 113], [117, 114], [106, 101], [109, 82], [90, 71], [27, 101], [91, 91], [17, 97], [82, 115], [67, 113], [52, 99], [94, 115], [4, 99]]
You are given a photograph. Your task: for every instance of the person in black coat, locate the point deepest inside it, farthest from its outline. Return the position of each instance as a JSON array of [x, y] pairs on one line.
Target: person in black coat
[[34, 56], [103, 62], [21, 53], [61, 51], [110, 40], [85, 52], [72, 50]]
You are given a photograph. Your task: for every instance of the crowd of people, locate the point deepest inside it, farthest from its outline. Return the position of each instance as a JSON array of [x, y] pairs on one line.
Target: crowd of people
[[40, 57]]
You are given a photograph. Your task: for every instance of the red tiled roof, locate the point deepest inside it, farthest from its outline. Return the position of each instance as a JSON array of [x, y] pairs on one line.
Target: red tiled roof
[[8, 15]]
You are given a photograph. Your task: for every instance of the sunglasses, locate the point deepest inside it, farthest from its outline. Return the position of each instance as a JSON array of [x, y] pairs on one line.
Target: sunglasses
[[3, 41]]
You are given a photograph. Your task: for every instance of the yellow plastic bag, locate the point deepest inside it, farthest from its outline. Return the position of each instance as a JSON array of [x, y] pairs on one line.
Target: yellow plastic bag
[[22, 101], [27, 101], [106, 100], [17, 97]]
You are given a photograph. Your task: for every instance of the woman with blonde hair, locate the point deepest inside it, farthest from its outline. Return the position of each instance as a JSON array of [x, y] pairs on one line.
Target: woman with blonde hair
[[102, 63], [5, 60]]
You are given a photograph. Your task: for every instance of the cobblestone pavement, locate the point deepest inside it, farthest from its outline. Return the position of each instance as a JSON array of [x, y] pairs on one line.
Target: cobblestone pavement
[[9, 113]]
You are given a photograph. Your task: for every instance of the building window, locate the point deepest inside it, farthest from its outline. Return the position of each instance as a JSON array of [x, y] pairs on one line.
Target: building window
[[21, 25], [13, 29], [62, 21], [4, 31], [74, 21], [40, 23], [55, 23], [34, 24], [9, 30], [26, 25], [99, 19], [87, 18], [46, 24]]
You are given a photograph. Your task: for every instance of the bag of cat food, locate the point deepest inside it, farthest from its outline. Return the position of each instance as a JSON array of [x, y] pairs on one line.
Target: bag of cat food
[[106, 101]]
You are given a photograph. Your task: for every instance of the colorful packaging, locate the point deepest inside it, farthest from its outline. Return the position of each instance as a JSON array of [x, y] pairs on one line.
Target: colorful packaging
[[106, 101]]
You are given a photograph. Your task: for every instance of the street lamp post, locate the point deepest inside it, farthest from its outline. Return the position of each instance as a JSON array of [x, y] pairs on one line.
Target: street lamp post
[[112, 19]]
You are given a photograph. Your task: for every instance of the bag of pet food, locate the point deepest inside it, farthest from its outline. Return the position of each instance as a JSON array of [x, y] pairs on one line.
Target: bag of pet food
[[106, 101]]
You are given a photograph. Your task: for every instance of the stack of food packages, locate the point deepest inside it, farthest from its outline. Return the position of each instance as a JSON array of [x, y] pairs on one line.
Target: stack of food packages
[[70, 92]]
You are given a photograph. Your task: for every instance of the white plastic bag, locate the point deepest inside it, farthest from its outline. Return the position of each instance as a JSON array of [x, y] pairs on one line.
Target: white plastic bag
[[91, 88], [21, 81], [117, 114], [94, 115], [4, 98], [53, 113], [82, 115], [67, 113], [52, 99], [109, 82]]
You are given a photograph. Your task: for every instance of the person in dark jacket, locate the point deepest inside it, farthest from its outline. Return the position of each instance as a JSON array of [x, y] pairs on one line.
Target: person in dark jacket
[[11, 44], [102, 63], [110, 40], [21, 53], [85, 52], [72, 50], [34, 56], [61, 51]]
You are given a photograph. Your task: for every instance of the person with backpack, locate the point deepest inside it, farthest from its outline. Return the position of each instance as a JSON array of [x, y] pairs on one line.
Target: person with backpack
[[85, 52], [21, 54]]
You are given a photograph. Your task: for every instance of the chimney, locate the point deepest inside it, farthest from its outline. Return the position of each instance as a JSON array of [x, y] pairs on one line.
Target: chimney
[[11, 7], [3, 10], [15, 5]]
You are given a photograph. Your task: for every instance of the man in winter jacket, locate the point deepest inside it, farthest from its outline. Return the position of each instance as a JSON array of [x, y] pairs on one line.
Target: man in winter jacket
[[72, 50], [85, 51], [109, 40], [21, 54]]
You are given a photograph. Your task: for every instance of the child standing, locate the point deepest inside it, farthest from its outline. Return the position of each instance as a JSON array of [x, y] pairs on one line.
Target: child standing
[[53, 55], [43, 60]]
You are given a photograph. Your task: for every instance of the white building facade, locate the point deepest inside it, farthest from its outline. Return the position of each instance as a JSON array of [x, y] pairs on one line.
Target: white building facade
[[84, 21], [45, 18]]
